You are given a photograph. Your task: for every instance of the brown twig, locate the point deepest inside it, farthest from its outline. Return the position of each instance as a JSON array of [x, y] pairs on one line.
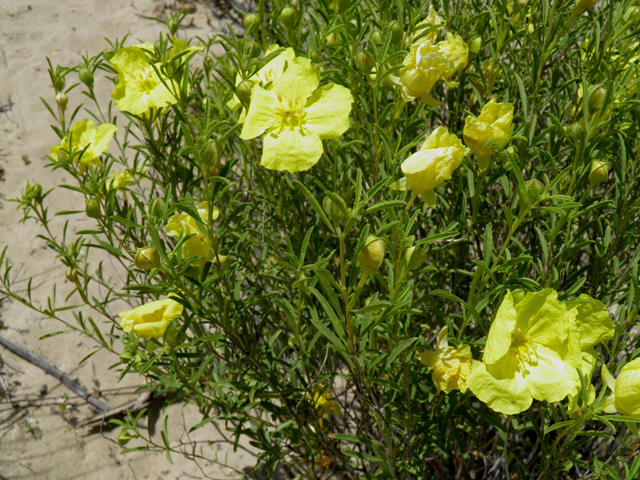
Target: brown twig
[[53, 371]]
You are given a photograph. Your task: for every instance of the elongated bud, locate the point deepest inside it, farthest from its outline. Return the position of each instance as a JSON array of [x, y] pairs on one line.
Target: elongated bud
[[599, 172], [158, 208], [597, 99], [128, 354], [363, 63], [288, 17], [92, 208], [250, 19], [531, 193], [59, 83], [395, 29], [575, 130], [85, 76], [332, 210], [124, 437], [253, 49], [414, 257], [315, 56], [173, 25], [243, 90], [210, 153], [372, 255], [33, 192], [71, 274], [108, 54], [518, 295], [376, 37], [475, 45], [62, 100], [147, 258]]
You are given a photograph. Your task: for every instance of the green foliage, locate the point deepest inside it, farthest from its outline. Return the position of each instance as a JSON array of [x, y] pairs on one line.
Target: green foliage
[[281, 322]]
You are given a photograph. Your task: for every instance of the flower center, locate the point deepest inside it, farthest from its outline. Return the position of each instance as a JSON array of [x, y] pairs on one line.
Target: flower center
[[290, 112], [523, 349], [145, 80]]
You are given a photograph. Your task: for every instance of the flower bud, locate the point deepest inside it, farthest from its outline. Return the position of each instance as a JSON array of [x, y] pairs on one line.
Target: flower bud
[[475, 45], [33, 192], [174, 336], [343, 5], [158, 207], [575, 130], [86, 76], [92, 208], [331, 38], [363, 63], [597, 98], [599, 172], [208, 64], [582, 6], [59, 83], [315, 56], [250, 19], [108, 54], [288, 17], [254, 49], [335, 214], [173, 25], [128, 354], [518, 295], [124, 437], [210, 153], [531, 193], [414, 257], [62, 100], [395, 29], [147, 258], [243, 90], [627, 395], [376, 37], [71, 274], [372, 255]]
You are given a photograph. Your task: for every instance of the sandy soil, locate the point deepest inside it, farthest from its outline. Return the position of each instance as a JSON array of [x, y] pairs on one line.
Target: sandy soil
[[38, 440]]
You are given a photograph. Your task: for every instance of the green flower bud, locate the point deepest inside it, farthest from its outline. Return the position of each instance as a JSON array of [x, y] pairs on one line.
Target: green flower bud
[[173, 25], [396, 31], [597, 98], [208, 64], [582, 6], [531, 193], [518, 295], [414, 257], [243, 90], [343, 5], [288, 17], [363, 63], [315, 56], [147, 258], [575, 130], [62, 100], [599, 172], [253, 49], [331, 209], [71, 274], [174, 335], [108, 54], [158, 207], [376, 37], [250, 19], [210, 153], [92, 207], [86, 76], [475, 45], [59, 83], [372, 255], [32, 193], [128, 354], [124, 437], [295, 4]]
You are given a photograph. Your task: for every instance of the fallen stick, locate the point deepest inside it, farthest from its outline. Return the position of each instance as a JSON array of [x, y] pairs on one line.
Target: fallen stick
[[53, 371]]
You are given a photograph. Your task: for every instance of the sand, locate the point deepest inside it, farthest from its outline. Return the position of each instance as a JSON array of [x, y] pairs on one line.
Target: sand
[[38, 440]]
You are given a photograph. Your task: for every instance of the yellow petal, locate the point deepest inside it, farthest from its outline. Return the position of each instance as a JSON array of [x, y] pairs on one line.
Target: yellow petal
[[261, 114], [290, 149], [327, 111], [500, 389]]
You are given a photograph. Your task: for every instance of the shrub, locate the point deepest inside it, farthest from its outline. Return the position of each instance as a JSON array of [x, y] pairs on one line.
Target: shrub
[[377, 239]]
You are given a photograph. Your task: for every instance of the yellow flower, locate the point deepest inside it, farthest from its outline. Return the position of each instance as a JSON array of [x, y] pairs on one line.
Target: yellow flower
[[427, 63], [532, 351], [594, 326], [120, 180], [494, 122], [267, 75], [139, 86], [441, 153], [151, 319], [198, 245], [295, 116], [625, 398], [87, 142], [451, 366], [324, 403]]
